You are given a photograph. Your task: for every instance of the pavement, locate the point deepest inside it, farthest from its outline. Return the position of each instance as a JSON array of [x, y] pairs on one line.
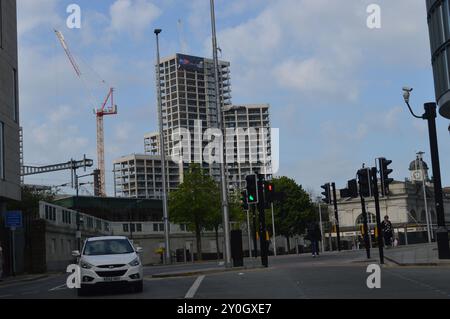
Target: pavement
[[22, 278], [335, 275], [415, 255]]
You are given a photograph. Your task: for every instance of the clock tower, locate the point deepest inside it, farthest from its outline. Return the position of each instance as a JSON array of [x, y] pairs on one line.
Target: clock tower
[[419, 170]]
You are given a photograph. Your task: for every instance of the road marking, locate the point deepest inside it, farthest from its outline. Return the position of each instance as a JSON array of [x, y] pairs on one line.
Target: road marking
[[191, 293], [5, 296], [62, 287]]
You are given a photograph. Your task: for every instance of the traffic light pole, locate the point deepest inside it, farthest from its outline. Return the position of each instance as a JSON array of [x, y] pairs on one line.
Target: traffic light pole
[[365, 226], [255, 243], [274, 235], [442, 231], [249, 234], [378, 213], [262, 223], [336, 216]]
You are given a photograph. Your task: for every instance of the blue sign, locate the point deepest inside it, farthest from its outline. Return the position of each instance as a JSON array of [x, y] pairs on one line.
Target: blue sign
[[13, 219]]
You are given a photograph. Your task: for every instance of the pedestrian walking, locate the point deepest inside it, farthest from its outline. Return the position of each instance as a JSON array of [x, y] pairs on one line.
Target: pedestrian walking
[[388, 232], [314, 236]]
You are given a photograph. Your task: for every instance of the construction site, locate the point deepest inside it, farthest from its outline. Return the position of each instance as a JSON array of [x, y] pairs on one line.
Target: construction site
[[58, 218]]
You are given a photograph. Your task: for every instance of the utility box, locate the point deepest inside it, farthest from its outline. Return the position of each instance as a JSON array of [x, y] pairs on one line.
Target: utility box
[[237, 252]]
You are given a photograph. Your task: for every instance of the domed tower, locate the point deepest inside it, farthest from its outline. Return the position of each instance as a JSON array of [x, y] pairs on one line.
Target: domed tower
[[419, 170]]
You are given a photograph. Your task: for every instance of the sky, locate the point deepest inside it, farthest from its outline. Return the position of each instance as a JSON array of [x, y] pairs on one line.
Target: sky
[[334, 85]]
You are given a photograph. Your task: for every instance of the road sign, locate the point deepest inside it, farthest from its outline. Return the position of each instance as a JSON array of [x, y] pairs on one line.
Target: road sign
[[13, 219]]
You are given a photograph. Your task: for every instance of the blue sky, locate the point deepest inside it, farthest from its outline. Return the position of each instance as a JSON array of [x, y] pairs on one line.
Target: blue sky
[[334, 85]]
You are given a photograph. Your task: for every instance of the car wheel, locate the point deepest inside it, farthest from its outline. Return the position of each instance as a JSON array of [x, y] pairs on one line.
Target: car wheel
[[139, 286]]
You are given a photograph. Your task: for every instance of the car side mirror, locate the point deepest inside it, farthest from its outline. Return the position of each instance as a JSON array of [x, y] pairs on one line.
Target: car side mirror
[[76, 253], [139, 250]]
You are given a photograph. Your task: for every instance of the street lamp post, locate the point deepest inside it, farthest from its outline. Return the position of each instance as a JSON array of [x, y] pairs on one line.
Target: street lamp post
[[162, 150], [321, 226], [223, 182], [442, 231]]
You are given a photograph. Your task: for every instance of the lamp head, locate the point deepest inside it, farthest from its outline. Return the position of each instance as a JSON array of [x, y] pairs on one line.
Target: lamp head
[[158, 31]]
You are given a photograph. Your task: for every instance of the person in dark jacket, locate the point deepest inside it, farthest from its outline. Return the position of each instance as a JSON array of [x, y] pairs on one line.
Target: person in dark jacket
[[315, 237], [388, 231]]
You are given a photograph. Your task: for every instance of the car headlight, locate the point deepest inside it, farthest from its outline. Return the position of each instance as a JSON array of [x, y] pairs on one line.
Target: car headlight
[[85, 265], [135, 263]]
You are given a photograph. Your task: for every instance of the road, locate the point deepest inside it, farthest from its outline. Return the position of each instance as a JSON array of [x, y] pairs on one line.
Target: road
[[336, 275]]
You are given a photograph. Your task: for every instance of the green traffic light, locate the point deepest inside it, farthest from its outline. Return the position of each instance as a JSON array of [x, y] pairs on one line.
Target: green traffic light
[[251, 198]]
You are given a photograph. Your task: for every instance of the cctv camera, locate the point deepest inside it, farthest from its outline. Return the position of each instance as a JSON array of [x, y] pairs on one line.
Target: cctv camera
[[407, 89], [406, 93]]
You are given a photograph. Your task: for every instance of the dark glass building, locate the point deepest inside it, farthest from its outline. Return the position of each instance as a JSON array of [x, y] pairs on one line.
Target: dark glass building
[[439, 27]]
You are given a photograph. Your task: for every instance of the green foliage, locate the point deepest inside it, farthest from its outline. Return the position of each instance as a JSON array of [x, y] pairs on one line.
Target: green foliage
[[196, 201], [29, 205], [295, 210]]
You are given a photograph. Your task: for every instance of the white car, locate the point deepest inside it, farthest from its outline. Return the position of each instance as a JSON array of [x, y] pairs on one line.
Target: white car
[[109, 260]]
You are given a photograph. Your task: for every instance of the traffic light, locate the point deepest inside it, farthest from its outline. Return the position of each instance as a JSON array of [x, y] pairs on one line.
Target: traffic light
[[269, 194], [244, 201], [252, 189], [96, 182], [326, 193], [353, 188], [385, 171], [364, 182], [351, 191]]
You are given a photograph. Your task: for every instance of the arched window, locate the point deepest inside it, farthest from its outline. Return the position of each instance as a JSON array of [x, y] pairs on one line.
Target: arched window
[[433, 217], [412, 218], [423, 216], [371, 219]]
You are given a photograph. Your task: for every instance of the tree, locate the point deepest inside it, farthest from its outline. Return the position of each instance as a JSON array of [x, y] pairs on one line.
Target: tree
[[195, 202], [29, 204], [294, 211]]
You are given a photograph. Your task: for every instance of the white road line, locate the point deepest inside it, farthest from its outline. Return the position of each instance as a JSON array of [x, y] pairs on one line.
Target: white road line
[[192, 291], [62, 287], [5, 296]]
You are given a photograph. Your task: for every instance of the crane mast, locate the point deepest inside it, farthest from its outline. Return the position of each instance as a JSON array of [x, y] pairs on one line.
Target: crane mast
[[104, 110]]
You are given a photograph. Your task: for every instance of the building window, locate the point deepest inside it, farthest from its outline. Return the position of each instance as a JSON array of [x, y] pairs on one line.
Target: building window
[[90, 222], [371, 219], [15, 96], [139, 228], [125, 228], [50, 213], [53, 246], [155, 227], [133, 228], [2, 150], [66, 217]]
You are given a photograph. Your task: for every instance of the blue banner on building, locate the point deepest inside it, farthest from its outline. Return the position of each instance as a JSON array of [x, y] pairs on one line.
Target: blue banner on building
[[190, 63]]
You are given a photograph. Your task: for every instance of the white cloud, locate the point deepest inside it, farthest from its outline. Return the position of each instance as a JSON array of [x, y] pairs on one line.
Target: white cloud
[[33, 14], [133, 17], [322, 46]]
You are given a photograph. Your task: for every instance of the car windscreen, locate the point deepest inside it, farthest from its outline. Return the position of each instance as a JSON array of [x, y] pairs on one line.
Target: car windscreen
[[108, 247]]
